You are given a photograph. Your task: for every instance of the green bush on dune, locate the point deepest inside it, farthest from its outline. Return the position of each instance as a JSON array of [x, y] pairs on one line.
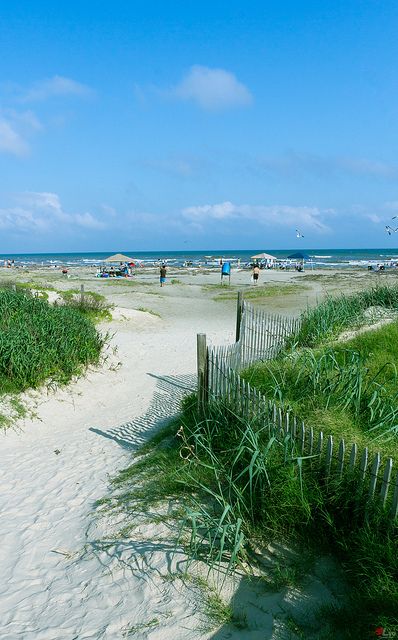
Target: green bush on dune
[[39, 342], [325, 321]]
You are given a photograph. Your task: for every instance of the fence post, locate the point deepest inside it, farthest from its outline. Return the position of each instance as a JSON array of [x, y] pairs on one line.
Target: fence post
[[239, 311], [201, 350], [82, 294]]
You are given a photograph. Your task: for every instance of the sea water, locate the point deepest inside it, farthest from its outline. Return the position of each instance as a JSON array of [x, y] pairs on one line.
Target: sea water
[[328, 258]]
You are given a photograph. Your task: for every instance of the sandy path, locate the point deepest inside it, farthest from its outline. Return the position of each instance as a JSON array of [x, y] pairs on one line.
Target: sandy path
[[47, 590]]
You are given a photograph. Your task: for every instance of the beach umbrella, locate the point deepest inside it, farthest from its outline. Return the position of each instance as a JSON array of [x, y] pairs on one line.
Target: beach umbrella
[[263, 256], [119, 257], [298, 255]]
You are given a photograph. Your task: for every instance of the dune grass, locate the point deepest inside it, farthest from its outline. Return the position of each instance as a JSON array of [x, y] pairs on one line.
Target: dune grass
[[232, 486], [260, 292], [330, 317], [349, 389], [92, 305], [41, 343]]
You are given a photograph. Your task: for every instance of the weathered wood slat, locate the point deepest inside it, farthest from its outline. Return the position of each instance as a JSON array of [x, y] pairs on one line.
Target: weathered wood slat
[[302, 437], [341, 454], [319, 446], [329, 454], [385, 484], [374, 472], [363, 465], [353, 456], [394, 504]]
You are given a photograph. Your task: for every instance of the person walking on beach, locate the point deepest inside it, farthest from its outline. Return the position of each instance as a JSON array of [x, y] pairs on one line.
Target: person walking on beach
[[163, 275], [225, 271], [256, 273]]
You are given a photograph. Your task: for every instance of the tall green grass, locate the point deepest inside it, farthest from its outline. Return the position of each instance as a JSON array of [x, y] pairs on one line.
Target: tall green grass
[[349, 389], [234, 485], [330, 317], [91, 304], [41, 343]]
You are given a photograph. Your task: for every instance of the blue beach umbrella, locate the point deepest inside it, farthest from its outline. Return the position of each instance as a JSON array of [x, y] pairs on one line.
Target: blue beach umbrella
[[298, 255]]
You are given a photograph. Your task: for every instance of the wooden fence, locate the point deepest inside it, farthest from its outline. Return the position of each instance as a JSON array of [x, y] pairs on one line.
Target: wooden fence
[[261, 337]]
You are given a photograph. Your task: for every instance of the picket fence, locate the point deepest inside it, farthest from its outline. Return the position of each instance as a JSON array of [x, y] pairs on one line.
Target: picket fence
[[260, 337]]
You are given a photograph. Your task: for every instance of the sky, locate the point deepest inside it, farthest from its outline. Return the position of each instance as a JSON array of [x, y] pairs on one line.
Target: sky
[[143, 126]]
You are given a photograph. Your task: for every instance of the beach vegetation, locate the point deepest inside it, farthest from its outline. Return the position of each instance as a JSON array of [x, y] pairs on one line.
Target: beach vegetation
[[89, 303], [236, 486], [150, 311], [42, 343], [37, 286], [334, 314], [349, 389], [262, 292]]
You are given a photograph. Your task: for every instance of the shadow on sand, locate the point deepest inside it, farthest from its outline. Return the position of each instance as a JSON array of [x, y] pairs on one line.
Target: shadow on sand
[[165, 404]]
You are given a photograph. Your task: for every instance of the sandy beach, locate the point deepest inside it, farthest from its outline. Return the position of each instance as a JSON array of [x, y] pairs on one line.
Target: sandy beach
[[59, 580]]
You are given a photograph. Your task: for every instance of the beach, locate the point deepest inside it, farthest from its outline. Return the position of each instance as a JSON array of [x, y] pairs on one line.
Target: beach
[[64, 574]]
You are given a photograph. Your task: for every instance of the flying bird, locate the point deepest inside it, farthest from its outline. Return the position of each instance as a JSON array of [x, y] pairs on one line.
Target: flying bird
[[299, 234], [390, 230]]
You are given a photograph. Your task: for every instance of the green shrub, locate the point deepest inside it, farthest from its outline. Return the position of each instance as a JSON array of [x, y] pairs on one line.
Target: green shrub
[[90, 304], [39, 342], [334, 314]]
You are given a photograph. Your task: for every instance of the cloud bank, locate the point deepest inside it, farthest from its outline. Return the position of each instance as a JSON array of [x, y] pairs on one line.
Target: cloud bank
[[274, 215], [18, 124], [34, 212], [212, 89], [55, 87]]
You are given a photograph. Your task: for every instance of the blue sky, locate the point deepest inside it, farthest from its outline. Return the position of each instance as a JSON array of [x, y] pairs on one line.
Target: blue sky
[[197, 125]]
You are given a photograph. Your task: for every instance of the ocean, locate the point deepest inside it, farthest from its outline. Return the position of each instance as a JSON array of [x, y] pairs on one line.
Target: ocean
[[318, 258]]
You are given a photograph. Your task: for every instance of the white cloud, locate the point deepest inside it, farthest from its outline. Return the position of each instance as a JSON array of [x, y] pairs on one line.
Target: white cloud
[[88, 220], [10, 140], [54, 87], [391, 206], [274, 215], [296, 163], [213, 89], [42, 211], [373, 217]]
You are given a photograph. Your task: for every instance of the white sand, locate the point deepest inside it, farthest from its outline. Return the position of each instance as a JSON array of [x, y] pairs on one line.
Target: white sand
[[56, 580]]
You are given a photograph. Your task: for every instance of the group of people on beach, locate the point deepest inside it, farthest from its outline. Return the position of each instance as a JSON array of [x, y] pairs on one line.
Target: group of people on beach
[[225, 272]]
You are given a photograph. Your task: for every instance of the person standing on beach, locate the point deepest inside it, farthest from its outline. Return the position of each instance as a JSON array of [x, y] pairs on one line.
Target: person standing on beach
[[256, 273], [163, 275]]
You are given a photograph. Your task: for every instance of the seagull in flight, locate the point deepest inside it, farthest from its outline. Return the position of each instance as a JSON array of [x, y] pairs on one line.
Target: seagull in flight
[[390, 230], [299, 234]]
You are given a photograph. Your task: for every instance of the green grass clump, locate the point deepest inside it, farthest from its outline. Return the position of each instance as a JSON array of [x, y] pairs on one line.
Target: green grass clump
[[150, 311], [92, 305], [262, 291], [329, 318], [349, 389], [41, 343]]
